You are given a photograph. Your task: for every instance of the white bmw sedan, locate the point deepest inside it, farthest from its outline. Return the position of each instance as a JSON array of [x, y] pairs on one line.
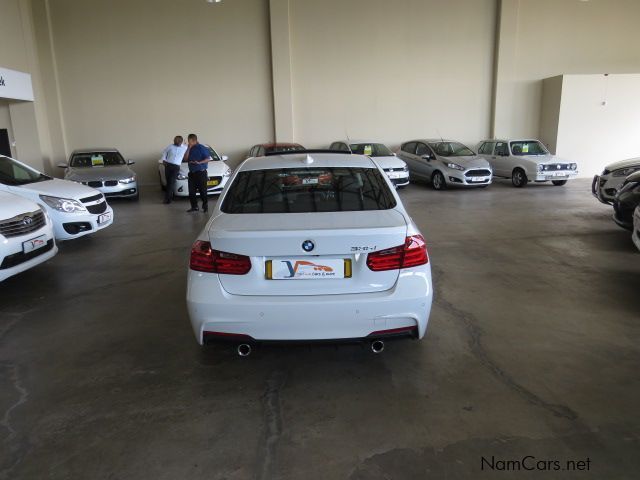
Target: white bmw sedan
[[309, 246]]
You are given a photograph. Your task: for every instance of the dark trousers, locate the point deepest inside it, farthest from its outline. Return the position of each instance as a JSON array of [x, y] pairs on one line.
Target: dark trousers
[[170, 173], [198, 182]]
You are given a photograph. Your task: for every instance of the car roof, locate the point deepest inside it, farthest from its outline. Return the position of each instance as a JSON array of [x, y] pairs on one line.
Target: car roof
[[358, 141], [96, 149], [278, 144], [430, 140], [299, 160], [523, 139]]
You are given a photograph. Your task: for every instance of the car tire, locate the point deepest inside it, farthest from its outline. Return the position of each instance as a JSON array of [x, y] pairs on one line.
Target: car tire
[[558, 183], [519, 178], [437, 181]]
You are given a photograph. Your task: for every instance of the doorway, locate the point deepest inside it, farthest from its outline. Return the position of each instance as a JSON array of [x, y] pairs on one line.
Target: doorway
[[5, 145]]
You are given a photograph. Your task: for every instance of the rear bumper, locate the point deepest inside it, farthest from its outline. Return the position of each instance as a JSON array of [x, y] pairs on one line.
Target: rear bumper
[[334, 318]]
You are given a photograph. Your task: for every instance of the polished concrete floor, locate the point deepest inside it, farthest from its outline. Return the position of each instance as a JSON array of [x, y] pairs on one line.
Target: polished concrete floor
[[533, 350]]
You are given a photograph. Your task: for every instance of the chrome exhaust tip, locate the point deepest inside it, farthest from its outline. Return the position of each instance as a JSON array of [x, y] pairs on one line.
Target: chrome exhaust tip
[[377, 346], [244, 349]]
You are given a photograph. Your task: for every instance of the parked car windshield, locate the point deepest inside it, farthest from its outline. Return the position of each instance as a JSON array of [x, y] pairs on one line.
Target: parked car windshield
[[371, 149], [528, 147], [14, 173], [451, 149], [283, 148], [302, 190], [96, 159], [213, 153]]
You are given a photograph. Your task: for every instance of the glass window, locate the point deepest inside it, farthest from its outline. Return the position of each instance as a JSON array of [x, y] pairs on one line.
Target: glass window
[[96, 159], [501, 149], [528, 147], [486, 148], [371, 149], [214, 155], [283, 147], [422, 149], [303, 190], [451, 149], [14, 173], [409, 148]]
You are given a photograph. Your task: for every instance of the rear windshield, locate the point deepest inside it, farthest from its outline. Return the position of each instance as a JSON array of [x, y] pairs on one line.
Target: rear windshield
[[302, 190]]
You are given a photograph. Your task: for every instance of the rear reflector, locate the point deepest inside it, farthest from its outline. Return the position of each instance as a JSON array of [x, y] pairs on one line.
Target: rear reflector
[[205, 259], [411, 254]]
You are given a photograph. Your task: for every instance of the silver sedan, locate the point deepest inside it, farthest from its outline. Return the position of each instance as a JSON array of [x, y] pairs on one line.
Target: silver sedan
[[104, 169], [445, 163]]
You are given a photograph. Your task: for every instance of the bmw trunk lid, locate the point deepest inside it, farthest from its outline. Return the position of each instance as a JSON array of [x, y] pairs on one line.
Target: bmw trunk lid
[[308, 253]]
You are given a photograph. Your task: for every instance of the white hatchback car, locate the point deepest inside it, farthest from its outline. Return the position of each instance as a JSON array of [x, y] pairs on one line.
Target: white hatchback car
[[217, 170], [75, 209], [26, 235], [395, 168], [525, 161], [307, 247]]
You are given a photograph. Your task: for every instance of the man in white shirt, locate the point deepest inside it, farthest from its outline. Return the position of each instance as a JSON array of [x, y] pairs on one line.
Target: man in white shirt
[[172, 157]]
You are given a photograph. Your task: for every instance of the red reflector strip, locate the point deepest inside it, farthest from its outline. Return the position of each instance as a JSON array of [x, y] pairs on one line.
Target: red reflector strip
[[207, 333], [394, 330]]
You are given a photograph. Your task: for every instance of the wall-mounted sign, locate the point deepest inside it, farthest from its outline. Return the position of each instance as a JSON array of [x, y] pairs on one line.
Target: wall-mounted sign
[[15, 85]]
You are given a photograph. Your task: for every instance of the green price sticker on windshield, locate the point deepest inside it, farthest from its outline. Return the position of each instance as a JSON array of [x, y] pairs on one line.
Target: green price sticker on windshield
[[97, 161]]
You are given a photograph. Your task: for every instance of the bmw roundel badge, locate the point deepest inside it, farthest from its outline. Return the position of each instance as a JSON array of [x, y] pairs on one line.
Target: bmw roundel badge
[[308, 245]]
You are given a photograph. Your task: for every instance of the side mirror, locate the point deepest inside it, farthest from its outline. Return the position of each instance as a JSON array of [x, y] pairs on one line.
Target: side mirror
[[130, 162], [427, 157], [63, 165], [224, 158]]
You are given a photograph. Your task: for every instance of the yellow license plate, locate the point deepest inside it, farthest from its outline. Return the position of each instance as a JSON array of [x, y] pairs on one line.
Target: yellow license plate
[[212, 183]]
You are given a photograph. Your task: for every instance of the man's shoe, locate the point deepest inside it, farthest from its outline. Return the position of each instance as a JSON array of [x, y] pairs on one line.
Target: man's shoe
[[192, 210], [205, 209]]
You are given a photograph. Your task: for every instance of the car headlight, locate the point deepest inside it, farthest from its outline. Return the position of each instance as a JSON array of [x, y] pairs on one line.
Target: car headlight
[[455, 166], [573, 166], [625, 172], [405, 169], [182, 177], [540, 167], [127, 180], [66, 205], [227, 172]]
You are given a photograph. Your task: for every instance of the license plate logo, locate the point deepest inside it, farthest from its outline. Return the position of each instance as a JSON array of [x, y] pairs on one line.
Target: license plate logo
[[34, 244], [305, 269]]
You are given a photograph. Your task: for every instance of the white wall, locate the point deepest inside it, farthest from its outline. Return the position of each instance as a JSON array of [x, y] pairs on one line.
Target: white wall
[[132, 74], [391, 71], [593, 134], [545, 38]]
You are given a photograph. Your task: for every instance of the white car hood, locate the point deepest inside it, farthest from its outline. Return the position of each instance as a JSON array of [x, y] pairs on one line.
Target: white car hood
[[467, 161], [629, 162], [542, 159], [60, 188], [389, 162], [12, 205]]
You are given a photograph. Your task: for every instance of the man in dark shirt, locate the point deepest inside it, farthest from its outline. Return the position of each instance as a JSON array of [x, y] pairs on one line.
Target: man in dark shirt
[[198, 157]]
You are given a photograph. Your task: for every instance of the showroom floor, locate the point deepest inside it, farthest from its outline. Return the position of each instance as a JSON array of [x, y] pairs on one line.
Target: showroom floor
[[532, 349]]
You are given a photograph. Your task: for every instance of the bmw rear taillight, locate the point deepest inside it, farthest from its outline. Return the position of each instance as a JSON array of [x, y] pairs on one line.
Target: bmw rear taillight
[[205, 259], [411, 254]]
